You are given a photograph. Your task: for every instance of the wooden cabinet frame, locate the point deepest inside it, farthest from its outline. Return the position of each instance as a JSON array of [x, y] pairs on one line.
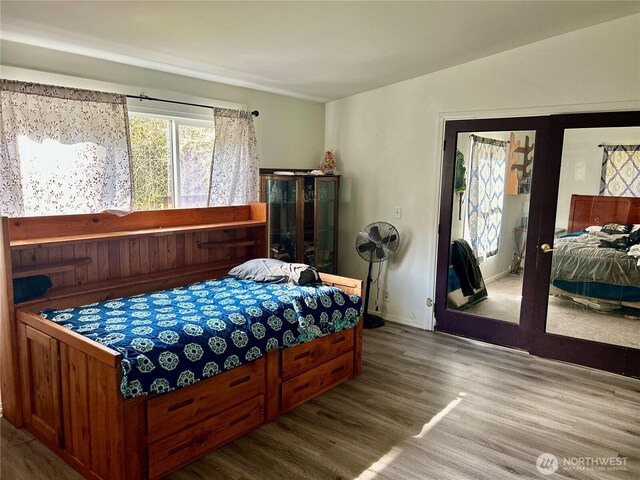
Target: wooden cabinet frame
[[268, 174]]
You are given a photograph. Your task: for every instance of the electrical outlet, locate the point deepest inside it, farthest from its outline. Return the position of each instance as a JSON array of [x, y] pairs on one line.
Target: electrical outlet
[[397, 212], [386, 296]]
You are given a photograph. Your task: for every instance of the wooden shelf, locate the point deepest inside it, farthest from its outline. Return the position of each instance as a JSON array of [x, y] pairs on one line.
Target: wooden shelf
[[229, 244], [175, 274], [65, 266], [71, 239]]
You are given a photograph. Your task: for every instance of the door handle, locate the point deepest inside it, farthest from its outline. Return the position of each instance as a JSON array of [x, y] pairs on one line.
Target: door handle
[[546, 248]]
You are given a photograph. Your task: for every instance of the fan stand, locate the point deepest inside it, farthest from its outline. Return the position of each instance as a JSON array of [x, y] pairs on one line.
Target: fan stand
[[370, 321]]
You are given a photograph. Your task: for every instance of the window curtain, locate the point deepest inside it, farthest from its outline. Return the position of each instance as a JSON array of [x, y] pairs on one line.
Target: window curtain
[[486, 195], [620, 171], [234, 170], [63, 151]]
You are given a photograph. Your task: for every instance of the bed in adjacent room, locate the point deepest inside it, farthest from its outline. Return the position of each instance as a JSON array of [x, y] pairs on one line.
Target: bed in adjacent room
[[597, 262]]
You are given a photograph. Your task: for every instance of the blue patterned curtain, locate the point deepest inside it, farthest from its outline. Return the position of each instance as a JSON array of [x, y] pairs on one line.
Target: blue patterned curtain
[[486, 194], [620, 171]]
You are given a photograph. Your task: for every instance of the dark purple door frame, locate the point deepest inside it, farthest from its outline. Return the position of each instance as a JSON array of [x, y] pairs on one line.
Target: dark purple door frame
[[530, 334]]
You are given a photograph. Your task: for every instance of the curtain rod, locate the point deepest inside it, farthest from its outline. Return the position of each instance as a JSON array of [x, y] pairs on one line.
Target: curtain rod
[[255, 113], [472, 135]]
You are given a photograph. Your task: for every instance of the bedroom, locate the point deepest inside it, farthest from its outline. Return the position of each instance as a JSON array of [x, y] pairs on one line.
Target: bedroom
[[387, 141]]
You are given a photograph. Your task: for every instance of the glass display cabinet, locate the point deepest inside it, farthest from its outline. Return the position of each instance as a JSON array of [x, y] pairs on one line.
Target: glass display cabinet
[[303, 217]]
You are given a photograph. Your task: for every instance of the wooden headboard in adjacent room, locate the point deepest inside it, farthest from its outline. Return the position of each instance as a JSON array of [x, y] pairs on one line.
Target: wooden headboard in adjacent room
[[588, 210]]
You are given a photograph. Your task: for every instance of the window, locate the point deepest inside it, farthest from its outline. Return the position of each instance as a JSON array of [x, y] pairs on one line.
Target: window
[[64, 151], [486, 195], [171, 161], [621, 171]]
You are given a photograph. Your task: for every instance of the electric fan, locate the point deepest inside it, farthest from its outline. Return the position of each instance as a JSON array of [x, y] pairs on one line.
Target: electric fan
[[375, 244]]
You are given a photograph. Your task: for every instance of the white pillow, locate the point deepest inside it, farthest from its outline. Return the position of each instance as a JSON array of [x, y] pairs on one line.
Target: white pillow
[[595, 228]]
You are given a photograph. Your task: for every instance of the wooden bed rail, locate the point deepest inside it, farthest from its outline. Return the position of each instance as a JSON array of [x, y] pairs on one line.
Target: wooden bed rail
[[350, 285], [103, 354]]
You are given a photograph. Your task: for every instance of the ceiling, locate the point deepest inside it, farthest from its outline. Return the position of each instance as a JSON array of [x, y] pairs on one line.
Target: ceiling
[[315, 50]]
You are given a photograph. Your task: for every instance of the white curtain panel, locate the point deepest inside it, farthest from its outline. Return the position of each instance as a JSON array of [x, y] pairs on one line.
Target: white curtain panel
[[234, 170], [63, 151]]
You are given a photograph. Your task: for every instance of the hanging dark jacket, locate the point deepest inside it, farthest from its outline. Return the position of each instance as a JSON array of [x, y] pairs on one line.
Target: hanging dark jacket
[[465, 265]]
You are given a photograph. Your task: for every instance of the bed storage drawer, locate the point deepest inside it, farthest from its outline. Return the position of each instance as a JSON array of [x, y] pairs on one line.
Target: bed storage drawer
[[175, 411], [301, 358], [316, 381], [187, 445]]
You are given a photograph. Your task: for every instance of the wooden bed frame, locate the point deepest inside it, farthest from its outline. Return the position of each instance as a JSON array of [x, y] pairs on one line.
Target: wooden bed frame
[[588, 210], [64, 388]]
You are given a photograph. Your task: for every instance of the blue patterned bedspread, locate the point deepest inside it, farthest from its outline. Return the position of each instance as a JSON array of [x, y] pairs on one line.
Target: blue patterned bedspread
[[173, 338]]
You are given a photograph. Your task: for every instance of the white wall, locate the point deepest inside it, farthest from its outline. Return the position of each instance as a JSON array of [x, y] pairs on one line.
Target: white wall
[[582, 163], [389, 140], [290, 131]]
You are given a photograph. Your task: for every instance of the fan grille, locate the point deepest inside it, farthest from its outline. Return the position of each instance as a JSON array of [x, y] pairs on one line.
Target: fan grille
[[377, 242]]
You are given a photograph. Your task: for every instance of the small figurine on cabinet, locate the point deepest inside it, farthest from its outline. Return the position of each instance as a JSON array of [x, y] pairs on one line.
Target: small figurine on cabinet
[[328, 163]]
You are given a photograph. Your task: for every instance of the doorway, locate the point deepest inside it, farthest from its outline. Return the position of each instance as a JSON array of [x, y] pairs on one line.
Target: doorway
[[523, 258]]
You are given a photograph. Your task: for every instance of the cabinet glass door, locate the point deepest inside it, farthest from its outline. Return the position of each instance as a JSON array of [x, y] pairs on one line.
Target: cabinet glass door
[[326, 224], [309, 241], [280, 195]]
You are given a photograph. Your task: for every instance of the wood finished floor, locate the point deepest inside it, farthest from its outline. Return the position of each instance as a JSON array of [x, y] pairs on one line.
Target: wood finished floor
[[427, 406]]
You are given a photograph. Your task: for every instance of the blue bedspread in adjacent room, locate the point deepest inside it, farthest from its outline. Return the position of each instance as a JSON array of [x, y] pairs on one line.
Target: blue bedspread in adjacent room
[[173, 338]]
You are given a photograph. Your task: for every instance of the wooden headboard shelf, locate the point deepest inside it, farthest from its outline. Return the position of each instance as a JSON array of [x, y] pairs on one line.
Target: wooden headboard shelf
[[100, 291], [588, 210], [29, 228], [96, 257], [87, 250], [47, 268], [234, 244], [73, 239]]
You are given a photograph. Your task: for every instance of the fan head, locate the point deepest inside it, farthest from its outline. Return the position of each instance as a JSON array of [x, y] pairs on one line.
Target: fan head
[[377, 242]]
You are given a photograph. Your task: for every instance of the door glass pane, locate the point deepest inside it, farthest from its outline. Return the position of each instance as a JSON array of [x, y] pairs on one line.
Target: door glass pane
[[280, 195], [326, 225], [151, 162], [196, 153], [489, 223], [309, 221], [595, 276]]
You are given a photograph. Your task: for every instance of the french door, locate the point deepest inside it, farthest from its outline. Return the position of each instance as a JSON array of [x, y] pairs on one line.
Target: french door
[[511, 190]]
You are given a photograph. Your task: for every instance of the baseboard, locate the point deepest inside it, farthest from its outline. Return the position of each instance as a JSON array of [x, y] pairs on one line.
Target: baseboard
[[400, 320], [497, 277]]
